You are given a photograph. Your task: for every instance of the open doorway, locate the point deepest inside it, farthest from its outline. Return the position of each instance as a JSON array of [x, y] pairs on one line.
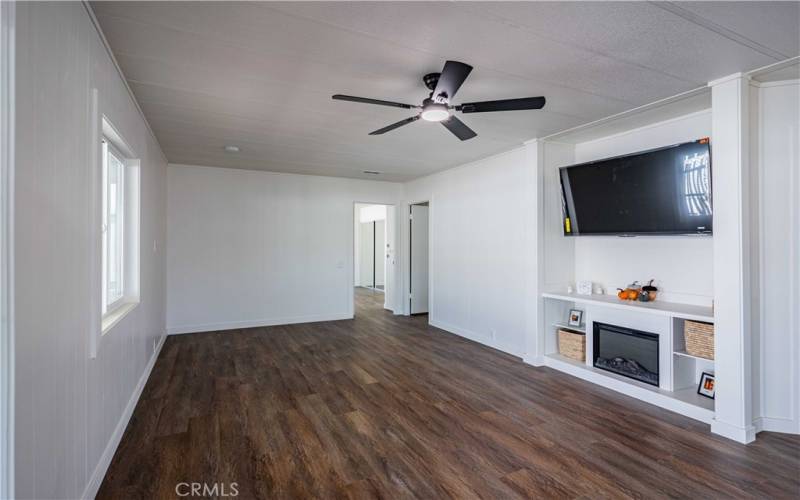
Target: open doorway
[[418, 258], [373, 257]]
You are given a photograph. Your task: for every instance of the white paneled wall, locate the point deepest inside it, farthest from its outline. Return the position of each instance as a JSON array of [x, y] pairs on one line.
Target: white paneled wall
[[682, 265], [480, 216], [69, 407], [777, 338], [251, 248]]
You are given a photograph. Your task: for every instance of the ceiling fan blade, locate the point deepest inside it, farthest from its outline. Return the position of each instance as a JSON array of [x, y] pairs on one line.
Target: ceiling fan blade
[[395, 125], [366, 100], [459, 128], [502, 105], [453, 75]]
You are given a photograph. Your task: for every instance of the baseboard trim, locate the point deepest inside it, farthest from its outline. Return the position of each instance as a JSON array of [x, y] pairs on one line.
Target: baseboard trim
[[475, 337], [236, 325], [534, 360], [111, 447], [742, 435], [783, 425]]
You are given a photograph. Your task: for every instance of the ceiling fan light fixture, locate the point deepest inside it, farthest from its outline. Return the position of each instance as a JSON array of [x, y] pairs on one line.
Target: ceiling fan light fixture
[[439, 107], [434, 112]]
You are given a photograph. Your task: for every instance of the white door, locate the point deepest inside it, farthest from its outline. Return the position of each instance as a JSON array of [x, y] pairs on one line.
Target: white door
[[389, 291], [366, 254], [379, 249], [419, 259]]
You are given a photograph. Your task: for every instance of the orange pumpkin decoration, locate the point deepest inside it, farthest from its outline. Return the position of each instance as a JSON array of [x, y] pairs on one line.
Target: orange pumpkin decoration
[[633, 294], [622, 294]]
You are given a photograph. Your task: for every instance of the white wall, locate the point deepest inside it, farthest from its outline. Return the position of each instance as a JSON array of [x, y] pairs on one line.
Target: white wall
[[681, 265], [480, 215], [251, 248], [69, 407], [777, 349]]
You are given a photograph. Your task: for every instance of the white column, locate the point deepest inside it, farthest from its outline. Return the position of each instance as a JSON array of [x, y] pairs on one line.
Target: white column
[[534, 240], [730, 152]]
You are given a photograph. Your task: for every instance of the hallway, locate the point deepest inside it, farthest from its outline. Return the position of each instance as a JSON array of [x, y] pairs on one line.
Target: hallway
[[368, 301]]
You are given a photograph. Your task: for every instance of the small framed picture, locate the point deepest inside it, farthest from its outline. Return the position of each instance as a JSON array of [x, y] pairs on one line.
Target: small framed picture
[[707, 385], [575, 317]]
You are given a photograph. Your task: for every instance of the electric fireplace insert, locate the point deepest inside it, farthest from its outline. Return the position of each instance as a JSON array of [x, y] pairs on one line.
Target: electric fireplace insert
[[627, 352]]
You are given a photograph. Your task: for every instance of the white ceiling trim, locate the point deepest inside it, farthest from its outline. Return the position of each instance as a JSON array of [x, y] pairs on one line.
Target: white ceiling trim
[[720, 30]]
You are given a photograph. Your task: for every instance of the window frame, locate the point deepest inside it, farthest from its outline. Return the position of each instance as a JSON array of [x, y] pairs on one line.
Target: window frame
[[109, 308], [104, 318]]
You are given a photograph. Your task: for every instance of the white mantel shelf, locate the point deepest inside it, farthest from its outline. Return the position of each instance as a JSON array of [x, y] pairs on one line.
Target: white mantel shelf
[[672, 309]]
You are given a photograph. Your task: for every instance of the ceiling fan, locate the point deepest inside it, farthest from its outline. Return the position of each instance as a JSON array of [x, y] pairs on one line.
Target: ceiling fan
[[438, 108]]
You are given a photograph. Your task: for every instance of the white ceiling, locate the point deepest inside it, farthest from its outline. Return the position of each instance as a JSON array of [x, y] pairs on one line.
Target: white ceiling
[[260, 75]]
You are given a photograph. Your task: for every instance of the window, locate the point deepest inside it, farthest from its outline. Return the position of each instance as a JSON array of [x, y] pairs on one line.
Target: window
[[117, 212], [113, 228]]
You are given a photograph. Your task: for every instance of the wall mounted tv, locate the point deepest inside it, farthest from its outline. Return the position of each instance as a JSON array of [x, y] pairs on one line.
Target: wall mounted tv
[[660, 191]]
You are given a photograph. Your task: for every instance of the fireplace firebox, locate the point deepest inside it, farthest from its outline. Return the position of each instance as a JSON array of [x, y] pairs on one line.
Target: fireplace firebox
[[627, 352]]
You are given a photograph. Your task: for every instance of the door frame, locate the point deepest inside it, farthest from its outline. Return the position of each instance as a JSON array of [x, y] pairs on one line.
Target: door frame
[[352, 258], [7, 156], [407, 258]]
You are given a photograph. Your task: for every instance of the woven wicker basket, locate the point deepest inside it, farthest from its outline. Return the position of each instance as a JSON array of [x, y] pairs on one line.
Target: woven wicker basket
[[572, 345], [699, 339]]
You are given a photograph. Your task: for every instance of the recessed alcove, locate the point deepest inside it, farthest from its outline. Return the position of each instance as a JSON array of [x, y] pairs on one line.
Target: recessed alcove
[[682, 266]]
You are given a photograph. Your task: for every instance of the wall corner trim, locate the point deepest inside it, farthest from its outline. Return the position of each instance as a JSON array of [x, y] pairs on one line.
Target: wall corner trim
[[734, 76], [99, 473]]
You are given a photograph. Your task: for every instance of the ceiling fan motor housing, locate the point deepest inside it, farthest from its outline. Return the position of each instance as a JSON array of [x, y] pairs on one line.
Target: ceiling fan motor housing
[[431, 79]]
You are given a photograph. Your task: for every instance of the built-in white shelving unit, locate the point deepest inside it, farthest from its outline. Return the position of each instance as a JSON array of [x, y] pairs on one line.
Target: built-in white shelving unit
[[682, 266], [679, 371]]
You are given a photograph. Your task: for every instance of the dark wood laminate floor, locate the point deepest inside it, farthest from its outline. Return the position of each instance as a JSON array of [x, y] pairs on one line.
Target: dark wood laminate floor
[[387, 406]]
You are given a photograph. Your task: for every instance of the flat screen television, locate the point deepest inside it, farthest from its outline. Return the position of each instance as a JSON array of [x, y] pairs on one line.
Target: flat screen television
[[660, 191]]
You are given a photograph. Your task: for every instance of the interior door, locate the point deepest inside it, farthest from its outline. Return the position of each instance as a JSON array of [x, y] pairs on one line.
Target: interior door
[[367, 254], [379, 249], [419, 259]]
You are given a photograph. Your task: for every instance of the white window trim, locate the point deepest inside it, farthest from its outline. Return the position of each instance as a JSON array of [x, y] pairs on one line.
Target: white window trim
[[114, 316], [7, 56], [123, 298], [102, 129]]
